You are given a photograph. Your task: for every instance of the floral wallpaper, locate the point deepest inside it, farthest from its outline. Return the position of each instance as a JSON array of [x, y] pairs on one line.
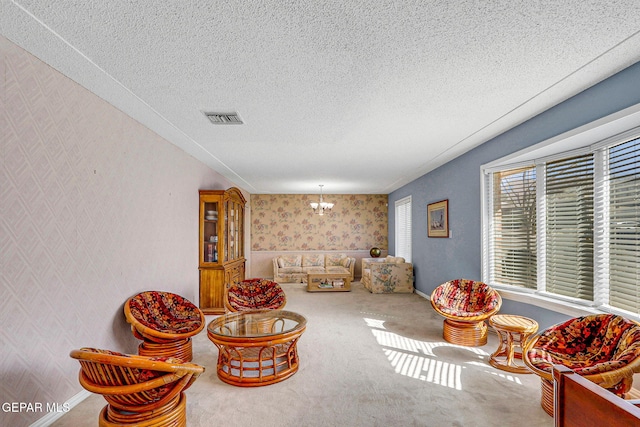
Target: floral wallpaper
[[285, 222]]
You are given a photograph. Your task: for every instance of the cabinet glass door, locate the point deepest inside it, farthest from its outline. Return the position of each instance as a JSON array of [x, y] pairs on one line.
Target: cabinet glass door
[[233, 231], [238, 221], [227, 235], [210, 232], [240, 231]]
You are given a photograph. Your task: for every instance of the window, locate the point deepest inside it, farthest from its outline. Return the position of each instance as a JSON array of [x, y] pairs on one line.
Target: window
[[403, 228], [514, 227], [624, 226], [568, 225]]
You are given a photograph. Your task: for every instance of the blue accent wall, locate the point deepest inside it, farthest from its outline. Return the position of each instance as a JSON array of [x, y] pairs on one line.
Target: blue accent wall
[[437, 260]]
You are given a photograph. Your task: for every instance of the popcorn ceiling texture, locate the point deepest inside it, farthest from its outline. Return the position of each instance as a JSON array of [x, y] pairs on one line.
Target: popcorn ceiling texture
[[382, 91], [94, 207]]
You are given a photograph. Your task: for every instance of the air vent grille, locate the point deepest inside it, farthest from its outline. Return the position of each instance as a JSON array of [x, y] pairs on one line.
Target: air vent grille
[[224, 118]]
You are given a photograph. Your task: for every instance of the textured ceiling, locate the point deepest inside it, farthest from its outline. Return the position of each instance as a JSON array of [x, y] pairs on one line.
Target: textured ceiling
[[361, 96]]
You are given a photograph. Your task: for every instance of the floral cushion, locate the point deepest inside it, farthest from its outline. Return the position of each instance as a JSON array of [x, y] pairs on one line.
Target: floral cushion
[[313, 260], [336, 260], [588, 345], [290, 261], [254, 294], [165, 312], [465, 298]]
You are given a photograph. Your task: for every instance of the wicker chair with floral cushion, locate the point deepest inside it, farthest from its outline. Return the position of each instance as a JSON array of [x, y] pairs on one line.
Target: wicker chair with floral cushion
[[465, 305], [603, 348], [254, 294], [139, 390], [165, 322]]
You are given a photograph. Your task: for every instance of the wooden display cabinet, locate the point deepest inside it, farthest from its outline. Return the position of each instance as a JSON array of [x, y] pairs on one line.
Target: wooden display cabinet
[[221, 243]]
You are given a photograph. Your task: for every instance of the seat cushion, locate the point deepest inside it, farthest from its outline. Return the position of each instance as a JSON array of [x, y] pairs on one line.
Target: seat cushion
[[165, 312], [588, 344], [256, 293], [465, 298], [290, 270]]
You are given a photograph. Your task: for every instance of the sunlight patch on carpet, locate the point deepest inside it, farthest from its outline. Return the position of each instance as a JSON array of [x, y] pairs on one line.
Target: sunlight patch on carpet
[[418, 359], [506, 377], [390, 339], [425, 369], [374, 323]]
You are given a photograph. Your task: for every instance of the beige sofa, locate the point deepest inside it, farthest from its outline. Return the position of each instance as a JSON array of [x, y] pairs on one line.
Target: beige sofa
[[294, 267], [387, 275]]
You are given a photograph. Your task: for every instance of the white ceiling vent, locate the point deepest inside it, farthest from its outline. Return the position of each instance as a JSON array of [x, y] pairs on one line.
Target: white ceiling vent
[[224, 118]]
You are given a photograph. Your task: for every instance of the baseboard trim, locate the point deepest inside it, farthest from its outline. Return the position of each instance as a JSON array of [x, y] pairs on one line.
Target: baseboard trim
[[51, 417], [422, 294]]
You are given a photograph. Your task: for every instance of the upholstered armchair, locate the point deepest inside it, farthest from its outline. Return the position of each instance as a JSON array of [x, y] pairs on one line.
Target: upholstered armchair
[[465, 305], [254, 294], [387, 275], [603, 348], [165, 322], [139, 390]]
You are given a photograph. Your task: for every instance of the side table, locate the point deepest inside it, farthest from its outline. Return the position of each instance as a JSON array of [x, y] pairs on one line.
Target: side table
[[513, 331]]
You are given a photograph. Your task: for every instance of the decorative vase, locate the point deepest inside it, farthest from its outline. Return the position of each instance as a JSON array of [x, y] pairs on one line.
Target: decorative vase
[[375, 252]]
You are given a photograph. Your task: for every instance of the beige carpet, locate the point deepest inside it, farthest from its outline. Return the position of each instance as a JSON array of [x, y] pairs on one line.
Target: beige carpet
[[366, 360]]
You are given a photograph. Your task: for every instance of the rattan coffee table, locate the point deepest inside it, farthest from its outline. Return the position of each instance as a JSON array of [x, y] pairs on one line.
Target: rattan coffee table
[[258, 347]]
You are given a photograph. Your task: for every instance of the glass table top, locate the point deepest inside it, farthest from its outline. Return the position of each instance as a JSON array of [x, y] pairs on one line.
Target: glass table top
[[256, 323]]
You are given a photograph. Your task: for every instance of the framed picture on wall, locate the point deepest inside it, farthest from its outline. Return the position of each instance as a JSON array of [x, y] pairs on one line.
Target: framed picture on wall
[[438, 219]]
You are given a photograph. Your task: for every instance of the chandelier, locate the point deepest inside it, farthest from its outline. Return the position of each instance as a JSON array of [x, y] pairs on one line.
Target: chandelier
[[319, 208]]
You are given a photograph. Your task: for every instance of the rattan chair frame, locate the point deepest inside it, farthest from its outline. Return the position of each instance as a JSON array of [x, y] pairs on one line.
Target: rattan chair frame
[[175, 417], [607, 379], [112, 375], [470, 331], [159, 343]]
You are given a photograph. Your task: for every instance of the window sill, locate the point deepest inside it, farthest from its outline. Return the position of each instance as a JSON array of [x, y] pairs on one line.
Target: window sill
[[564, 307], [538, 300]]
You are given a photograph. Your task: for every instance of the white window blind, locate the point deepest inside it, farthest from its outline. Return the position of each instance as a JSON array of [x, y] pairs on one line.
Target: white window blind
[[587, 216], [624, 226], [403, 228], [569, 227], [513, 252]]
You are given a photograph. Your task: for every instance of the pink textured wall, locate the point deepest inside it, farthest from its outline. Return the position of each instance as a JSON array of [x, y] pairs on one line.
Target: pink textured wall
[[94, 208]]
